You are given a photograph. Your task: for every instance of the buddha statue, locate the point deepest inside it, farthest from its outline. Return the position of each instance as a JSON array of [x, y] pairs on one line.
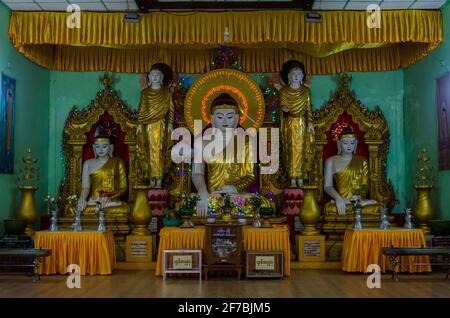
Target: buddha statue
[[350, 173], [155, 122], [223, 176], [297, 129], [103, 175]]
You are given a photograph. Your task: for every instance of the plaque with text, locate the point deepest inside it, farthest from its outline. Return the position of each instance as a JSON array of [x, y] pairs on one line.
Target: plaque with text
[[139, 248], [264, 264], [182, 262], [311, 248]]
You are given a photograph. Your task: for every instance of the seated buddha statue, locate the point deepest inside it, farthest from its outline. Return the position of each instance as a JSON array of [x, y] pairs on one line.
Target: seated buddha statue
[[350, 173], [221, 175], [103, 175]]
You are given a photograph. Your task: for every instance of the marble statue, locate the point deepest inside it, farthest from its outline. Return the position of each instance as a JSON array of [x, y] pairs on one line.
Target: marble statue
[[350, 173]]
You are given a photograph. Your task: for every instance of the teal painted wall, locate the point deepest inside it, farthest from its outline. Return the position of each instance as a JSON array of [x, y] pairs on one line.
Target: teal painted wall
[[69, 88], [421, 119], [31, 118]]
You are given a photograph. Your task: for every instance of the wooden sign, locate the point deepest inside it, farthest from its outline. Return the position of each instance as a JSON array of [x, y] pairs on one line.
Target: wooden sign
[[264, 264], [311, 248], [139, 248]]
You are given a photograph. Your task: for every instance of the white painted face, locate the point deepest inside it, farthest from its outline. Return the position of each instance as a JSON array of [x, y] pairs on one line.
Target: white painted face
[[155, 78], [102, 149], [295, 76], [224, 118], [348, 145]]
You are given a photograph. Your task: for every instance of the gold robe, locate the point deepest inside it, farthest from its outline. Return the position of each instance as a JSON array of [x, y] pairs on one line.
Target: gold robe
[[156, 112], [110, 178], [239, 175], [353, 180], [296, 140]]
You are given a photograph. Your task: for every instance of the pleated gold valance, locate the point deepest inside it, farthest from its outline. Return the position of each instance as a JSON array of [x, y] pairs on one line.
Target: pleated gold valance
[[262, 40]]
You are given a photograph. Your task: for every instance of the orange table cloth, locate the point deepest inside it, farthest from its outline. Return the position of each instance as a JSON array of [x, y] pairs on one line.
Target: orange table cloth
[[93, 251], [173, 238], [364, 247]]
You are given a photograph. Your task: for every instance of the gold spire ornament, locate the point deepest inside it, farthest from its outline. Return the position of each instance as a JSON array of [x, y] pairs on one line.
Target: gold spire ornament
[[423, 210], [28, 181]]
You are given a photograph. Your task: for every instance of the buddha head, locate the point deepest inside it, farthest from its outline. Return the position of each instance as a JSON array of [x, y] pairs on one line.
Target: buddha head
[[347, 142], [103, 146], [224, 112], [293, 73], [160, 75]]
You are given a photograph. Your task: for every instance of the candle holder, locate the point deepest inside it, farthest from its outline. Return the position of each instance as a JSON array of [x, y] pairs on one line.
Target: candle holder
[[384, 223], [358, 224], [77, 221], [54, 220], [408, 219]]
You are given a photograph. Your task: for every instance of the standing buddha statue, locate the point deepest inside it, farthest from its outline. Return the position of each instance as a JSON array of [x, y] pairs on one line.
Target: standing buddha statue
[[297, 129], [155, 122]]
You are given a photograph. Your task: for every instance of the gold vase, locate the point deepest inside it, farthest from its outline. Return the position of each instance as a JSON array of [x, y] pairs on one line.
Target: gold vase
[[310, 212], [28, 210], [140, 213], [423, 211]]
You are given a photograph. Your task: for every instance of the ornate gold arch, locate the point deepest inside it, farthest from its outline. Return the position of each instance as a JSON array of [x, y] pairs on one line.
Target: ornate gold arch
[[372, 123], [77, 126]]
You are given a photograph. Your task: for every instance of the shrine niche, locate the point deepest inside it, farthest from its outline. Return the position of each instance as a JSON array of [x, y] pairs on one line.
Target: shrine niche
[[108, 112], [372, 134]]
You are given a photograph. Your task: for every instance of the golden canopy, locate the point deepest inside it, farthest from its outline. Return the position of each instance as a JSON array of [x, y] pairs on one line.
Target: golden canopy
[[261, 40]]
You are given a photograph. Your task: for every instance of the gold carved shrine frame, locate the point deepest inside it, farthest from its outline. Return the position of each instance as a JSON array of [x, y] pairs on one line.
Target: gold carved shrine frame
[[76, 128], [372, 124]]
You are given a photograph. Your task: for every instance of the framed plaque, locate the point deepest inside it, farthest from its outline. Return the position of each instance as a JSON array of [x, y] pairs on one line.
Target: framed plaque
[[311, 248], [182, 261], [139, 248], [264, 264]]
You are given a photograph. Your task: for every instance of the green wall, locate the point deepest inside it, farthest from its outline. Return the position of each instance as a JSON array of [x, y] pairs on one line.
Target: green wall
[[421, 119], [31, 118], [71, 88]]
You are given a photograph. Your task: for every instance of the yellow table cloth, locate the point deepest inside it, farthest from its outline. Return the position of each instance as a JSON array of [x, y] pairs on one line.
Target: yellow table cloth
[[93, 251], [364, 247], [173, 238]]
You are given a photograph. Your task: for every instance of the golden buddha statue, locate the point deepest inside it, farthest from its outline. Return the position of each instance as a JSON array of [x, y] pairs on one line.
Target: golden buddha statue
[[297, 130], [351, 177], [155, 122], [105, 176], [225, 175]]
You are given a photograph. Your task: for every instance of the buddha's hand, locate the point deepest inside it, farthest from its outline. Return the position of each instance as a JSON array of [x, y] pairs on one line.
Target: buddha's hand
[[311, 127], [341, 204], [81, 205], [202, 204], [138, 129]]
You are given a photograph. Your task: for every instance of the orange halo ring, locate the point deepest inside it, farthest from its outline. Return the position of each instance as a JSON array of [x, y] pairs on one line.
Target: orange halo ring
[[239, 85]]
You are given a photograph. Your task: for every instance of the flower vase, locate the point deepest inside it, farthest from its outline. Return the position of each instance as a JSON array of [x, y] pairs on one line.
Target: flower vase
[[28, 210], [266, 214], [140, 213], [310, 212], [423, 211], [186, 215]]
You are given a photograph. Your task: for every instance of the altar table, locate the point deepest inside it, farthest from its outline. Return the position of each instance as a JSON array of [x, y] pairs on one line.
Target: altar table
[[276, 238], [365, 247], [93, 251]]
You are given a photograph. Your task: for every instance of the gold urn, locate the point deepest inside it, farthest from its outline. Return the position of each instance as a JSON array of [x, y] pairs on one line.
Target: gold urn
[[28, 210], [423, 210], [310, 212], [140, 213]]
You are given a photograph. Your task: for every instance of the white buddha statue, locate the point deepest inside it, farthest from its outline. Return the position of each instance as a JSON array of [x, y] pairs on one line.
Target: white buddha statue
[[350, 174], [103, 175], [223, 176]]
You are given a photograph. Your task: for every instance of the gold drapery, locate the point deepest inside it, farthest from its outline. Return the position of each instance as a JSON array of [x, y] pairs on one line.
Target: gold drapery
[[261, 40]]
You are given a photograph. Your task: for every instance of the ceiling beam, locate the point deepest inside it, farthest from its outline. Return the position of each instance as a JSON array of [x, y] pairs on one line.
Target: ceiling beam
[[151, 5]]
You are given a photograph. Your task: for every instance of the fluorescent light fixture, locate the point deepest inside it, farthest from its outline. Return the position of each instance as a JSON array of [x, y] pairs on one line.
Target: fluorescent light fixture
[[313, 17], [132, 18]]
